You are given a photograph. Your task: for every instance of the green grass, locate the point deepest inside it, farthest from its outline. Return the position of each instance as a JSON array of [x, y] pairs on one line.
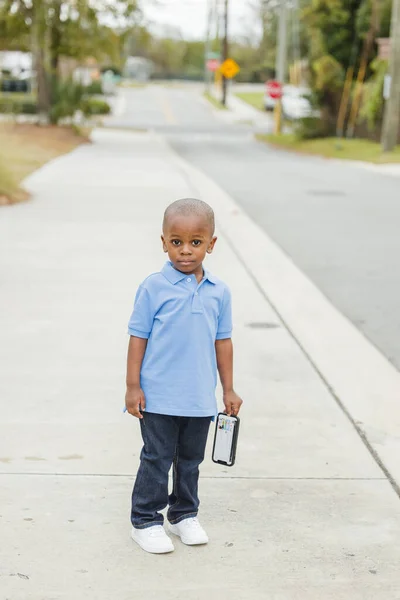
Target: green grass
[[18, 96], [255, 99], [18, 103], [356, 149], [126, 83], [216, 103]]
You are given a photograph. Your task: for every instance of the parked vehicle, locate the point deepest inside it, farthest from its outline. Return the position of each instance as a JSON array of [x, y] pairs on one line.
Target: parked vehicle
[[269, 103], [14, 85], [295, 102]]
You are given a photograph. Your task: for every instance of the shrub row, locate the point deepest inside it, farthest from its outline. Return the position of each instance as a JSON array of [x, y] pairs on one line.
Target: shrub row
[[17, 106], [95, 106], [20, 106]]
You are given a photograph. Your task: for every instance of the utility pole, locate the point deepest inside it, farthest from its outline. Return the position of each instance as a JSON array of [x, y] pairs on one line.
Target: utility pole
[[391, 120], [281, 60], [207, 45], [225, 50], [282, 44]]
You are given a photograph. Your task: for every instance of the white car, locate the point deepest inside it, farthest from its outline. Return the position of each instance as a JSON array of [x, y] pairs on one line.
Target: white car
[[295, 102], [269, 103]]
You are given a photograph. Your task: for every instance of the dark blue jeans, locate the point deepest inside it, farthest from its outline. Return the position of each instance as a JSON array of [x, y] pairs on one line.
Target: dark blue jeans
[[177, 441]]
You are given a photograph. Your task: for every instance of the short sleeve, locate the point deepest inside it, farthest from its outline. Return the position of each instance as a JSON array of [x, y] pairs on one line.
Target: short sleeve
[[141, 321], [225, 317]]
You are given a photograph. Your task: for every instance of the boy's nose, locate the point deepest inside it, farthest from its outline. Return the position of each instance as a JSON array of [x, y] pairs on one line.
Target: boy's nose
[[186, 250]]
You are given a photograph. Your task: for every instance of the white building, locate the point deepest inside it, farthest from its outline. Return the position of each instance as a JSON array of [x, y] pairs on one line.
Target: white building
[[138, 68], [19, 64]]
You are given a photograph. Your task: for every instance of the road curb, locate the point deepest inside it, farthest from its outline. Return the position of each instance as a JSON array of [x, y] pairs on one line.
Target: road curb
[[362, 381]]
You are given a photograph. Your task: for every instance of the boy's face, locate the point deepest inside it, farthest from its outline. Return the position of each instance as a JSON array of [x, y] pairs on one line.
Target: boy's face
[[187, 239]]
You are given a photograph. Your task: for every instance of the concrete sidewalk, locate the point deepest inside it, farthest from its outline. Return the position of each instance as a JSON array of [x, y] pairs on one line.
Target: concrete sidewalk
[[306, 514], [240, 111]]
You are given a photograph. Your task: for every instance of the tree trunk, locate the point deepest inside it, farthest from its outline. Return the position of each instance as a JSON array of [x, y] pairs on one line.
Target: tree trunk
[[42, 88], [55, 38], [39, 56]]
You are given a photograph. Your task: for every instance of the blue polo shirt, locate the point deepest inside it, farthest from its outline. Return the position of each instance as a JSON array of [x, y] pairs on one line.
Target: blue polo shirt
[[181, 320]]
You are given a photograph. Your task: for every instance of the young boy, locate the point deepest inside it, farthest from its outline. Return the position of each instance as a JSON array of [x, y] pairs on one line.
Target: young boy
[[180, 332]]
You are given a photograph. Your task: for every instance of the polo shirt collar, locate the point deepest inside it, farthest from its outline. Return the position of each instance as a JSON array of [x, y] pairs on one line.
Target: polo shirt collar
[[174, 276]]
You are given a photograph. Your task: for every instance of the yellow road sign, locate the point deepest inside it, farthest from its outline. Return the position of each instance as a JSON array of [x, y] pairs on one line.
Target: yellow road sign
[[229, 68]]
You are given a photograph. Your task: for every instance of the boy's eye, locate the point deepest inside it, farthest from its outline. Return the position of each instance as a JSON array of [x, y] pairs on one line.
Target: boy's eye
[[175, 242], [196, 242]]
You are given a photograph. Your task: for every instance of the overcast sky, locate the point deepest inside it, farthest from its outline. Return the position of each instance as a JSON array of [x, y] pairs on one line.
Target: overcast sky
[[190, 16]]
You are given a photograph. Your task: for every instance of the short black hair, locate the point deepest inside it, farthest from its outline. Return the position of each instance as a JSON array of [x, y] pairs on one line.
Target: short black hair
[[190, 206]]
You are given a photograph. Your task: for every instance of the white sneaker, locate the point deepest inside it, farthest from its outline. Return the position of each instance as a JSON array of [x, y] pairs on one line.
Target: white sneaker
[[153, 539], [190, 531]]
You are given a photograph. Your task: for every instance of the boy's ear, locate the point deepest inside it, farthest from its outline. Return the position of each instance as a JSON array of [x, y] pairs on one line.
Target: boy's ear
[[164, 244], [211, 245]]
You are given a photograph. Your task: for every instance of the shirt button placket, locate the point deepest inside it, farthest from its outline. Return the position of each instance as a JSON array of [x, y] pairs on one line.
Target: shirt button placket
[[196, 302]]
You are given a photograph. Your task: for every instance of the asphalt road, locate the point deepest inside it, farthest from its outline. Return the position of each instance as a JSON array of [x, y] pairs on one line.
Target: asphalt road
[[339, 223], [177, 108]]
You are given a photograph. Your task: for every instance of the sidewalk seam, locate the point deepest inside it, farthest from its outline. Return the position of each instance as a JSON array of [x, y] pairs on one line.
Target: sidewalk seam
[[244, 477]]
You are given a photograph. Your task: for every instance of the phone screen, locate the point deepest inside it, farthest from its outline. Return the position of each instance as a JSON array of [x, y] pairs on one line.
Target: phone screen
[[224, 438]]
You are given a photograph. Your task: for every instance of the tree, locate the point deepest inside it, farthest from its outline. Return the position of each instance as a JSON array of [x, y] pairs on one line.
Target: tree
[[332, 28], [14, 31], [373, 103], [341, 35], [55, 28], [265, 48]]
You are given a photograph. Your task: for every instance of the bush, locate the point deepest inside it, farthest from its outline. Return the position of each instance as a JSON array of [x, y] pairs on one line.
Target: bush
[[310, 128], [94, 106], [116, 70], [94, 88], [328, 74], [67, 98], [18, 105], [373, 102]]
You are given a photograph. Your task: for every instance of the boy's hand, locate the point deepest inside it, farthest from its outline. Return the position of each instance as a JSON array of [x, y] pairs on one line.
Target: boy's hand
[[135, 402], [232, 403]]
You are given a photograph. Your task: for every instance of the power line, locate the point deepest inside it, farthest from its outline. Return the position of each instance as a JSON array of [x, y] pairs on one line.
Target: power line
[[281, 52], [281, 57], [207, 45]]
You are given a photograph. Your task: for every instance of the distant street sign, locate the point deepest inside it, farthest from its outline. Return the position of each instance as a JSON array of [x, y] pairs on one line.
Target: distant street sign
[[211, 55], [274, 90], [229, 68], [212, 64]]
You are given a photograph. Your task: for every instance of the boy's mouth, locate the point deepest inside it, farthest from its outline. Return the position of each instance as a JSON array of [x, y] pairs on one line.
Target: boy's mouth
[[186, 263]]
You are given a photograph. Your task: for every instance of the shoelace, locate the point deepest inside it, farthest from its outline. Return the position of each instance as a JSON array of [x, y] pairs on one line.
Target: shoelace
[[157, 531], [193, 523]]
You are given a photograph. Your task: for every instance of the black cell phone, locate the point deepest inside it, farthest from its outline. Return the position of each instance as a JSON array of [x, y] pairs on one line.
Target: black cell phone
[[225, 440]]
